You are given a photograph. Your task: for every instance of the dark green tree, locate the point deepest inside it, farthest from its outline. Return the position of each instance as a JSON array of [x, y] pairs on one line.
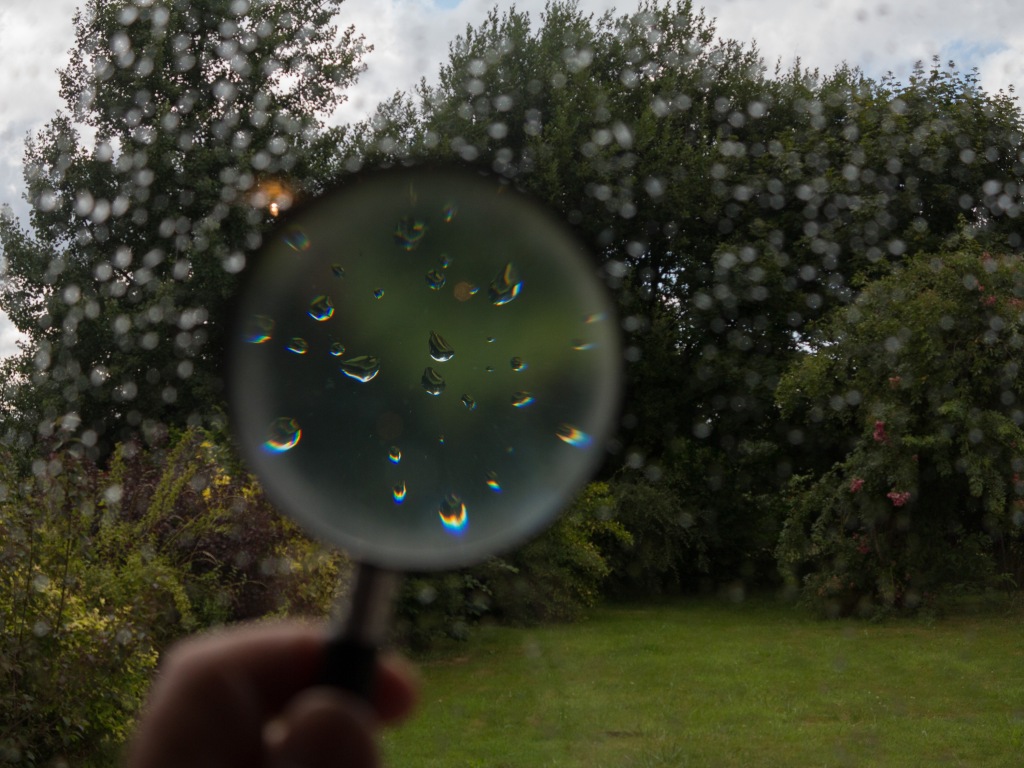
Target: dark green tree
[[185, 124], [728, 205]]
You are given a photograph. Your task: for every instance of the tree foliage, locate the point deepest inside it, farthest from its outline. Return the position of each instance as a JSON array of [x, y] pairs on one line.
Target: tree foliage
[[183, 123], [729, 206]]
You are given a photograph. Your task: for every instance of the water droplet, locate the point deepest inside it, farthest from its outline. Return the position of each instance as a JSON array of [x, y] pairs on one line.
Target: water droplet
[[394, 454], [298, 345], [440, 439], [337, 270], [436, 279], [469, 402], [491, 339], [522, 399], [446, 261], [597, 317], [518, 364], [321, 308], [453, 514], [378, 294], [492, 482], [489, 369], [432, 382], [505, 286], [582, 346], [283, 435], [362, 368], [409, 232], [296, 239], [399, 492], [567, 433], [259, 329], [337, 349], [449, 212], [440, 350], [464, 291]]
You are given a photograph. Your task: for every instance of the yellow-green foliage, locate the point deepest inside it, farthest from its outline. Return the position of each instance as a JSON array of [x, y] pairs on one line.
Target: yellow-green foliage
[[101, 568]]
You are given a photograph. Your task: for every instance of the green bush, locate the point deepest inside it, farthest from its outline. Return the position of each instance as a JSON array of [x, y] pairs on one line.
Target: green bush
[[101, 568], [552, 578], [923, 376]]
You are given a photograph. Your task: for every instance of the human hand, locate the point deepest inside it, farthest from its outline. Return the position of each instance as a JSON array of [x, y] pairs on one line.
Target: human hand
[[247, 698]]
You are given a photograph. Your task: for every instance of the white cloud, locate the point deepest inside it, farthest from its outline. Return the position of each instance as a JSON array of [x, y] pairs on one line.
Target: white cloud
[[411, 37]]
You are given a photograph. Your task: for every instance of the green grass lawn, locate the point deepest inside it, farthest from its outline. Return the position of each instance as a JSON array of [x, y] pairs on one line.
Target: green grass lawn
[[706, 683]]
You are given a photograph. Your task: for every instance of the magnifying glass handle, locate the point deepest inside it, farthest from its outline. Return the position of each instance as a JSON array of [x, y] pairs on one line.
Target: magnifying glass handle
[[351, 654]]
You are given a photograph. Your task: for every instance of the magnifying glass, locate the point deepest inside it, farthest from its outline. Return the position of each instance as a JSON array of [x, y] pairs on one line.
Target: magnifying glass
[[424, 368]]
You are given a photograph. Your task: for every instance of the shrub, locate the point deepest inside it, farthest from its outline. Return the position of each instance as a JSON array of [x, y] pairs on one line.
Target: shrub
[[923, 375]]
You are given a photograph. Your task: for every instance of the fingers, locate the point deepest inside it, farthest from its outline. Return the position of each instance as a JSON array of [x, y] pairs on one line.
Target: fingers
[[215, 693], [396, 689], [323, 728]]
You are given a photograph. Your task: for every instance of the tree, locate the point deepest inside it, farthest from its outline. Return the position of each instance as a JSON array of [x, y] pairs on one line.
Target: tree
[[921, 376], [729, 206], [187, 125]]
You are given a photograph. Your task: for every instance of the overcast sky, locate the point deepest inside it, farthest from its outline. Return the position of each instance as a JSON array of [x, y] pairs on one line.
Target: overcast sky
[[411, 38]]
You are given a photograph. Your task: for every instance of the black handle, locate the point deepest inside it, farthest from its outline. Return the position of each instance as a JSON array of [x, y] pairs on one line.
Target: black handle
[[351, 655]]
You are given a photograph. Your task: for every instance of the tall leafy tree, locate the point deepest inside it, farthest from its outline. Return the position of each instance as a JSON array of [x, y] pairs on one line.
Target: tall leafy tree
[[186, 122], [729, 205]]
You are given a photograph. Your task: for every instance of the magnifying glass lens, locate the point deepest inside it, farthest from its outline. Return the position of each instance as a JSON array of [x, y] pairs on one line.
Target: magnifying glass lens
[[425, 367]]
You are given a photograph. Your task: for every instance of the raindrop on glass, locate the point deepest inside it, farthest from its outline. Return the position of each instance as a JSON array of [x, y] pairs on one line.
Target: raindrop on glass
[[440, 350], [337, 270], [378, 294], [321, 308], [517, 364], [259, 329], [296, 239], [582, 346], [409, 232], [492, 481], [469, 402], [298, 345], [394, 454], [398, 493], [505, 286], [449, 212], [433, 382], [453, 514], [283, 435], [436, 279], [337, 349], [522, 399], [362, 368], [573, 436]]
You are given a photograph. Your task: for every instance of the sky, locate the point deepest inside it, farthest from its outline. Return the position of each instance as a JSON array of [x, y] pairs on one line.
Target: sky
[[410, 39]]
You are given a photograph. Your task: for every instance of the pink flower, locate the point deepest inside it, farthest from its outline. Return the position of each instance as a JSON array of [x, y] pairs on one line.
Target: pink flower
[[856, 484], [898, 498], [989, 301], [879, 434]]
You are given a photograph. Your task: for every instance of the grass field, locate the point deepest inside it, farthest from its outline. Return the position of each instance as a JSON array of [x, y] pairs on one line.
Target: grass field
[[707, 683]]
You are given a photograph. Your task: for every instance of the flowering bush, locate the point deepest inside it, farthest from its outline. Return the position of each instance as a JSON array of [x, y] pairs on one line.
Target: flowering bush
[[927, 388]]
